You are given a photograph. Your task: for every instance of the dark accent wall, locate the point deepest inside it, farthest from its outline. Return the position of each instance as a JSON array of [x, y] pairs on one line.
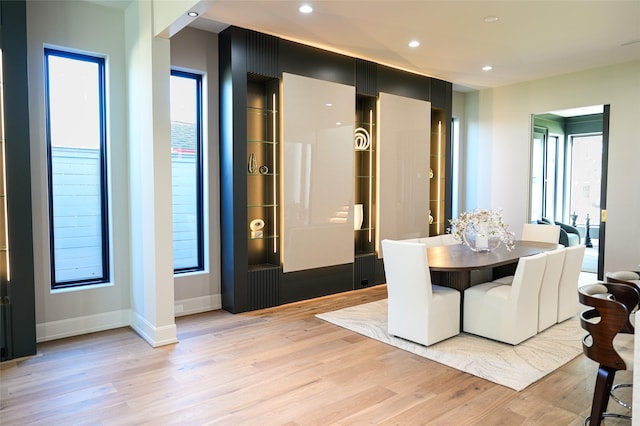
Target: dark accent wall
[[233, 194], [246, 54], [262, 54], [366, 78], [20, 321], [403, 83], [296, 58]]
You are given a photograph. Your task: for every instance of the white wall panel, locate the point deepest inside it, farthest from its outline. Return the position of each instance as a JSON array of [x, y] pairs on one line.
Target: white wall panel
[[404, 127], [317, 175]]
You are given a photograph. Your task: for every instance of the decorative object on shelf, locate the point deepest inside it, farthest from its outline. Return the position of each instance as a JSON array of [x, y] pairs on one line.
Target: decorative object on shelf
[[253, 165], [256, 226], [264, 170], [430, 218], [430, 173], [358, 216], [482, 230], [361, 140]]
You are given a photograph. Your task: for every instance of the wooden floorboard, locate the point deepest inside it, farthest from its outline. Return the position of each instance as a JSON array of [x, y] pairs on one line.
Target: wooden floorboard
[[277, 366]]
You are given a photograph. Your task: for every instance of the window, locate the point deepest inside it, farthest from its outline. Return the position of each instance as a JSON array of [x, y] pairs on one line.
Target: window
[[586, 176], [186, 168], [77, 173], [546, 175]]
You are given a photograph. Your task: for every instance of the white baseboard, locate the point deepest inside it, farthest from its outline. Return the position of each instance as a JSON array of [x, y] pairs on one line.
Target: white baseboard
[[82, 325], [123, 318], [197, 305], [155, 336]]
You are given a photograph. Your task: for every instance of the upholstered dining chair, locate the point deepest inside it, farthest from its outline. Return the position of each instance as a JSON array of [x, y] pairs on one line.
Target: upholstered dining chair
[[418, 310], [506, 312], [541, 233], [610, 340], [567, 297], [548, 296]]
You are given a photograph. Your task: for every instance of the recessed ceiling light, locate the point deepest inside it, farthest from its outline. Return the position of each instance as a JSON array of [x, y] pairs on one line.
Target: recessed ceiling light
[[414, 43], [192, 14], [490, 18], [305, 8], [487, 68], [328, 104]]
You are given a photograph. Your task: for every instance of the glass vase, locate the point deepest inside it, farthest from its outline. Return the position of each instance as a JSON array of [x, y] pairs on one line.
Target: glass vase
[[481, 237]]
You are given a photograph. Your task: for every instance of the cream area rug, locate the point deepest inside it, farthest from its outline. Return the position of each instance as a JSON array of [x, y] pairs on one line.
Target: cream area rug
[[515, 367]]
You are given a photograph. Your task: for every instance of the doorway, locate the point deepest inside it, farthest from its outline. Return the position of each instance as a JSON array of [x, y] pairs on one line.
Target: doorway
[[568, 175]]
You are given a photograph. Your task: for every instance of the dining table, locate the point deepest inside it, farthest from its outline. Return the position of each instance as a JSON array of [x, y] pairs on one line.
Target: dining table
[[451, 265]]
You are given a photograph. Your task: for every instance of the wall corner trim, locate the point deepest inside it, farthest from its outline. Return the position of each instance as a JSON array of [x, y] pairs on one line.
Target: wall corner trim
[[154, 336]]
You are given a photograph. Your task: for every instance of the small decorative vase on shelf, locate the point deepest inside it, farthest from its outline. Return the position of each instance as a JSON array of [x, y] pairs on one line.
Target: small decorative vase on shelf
[[253, 164], [358, 216], [481, 237]]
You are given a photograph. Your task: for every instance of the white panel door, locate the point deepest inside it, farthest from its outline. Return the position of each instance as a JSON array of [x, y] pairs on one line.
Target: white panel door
[[404, 135], [318, 173]]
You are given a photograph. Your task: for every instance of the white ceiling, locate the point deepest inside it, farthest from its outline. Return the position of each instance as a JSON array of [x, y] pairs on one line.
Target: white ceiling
[[530, 39]]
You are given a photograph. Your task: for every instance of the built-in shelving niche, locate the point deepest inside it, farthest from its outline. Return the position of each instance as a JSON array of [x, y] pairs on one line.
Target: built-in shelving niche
[[365, 173], [364, 191], [437, 173], [263, 165], [262, 172]]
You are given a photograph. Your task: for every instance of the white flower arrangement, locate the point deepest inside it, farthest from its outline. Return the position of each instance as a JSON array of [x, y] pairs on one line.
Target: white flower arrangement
[[486, 223]]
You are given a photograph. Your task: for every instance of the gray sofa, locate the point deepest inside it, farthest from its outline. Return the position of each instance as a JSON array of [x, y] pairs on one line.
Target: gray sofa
[[569, 235]]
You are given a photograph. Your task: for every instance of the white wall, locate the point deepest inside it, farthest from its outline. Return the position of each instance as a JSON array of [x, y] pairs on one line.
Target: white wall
[[97, 30], [498, 125], [197, 51]]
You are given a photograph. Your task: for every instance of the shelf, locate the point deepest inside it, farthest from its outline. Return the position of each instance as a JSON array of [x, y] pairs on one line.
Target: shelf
[[262, 266], [262, 174], [262, 141], [258, 110], [364, 229], [262, 206], [264, 237]]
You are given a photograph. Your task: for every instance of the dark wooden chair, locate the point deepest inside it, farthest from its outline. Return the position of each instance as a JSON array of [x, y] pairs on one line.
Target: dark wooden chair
[[606, 322], [624, 277]]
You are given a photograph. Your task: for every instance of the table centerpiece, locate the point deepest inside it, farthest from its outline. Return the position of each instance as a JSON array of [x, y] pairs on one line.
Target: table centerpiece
[[482, 230]]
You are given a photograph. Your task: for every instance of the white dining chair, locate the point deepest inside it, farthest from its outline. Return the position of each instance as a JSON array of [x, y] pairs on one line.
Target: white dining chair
[[541, 233], [418, 310], [506, 312], [568, 287], [548, 296]]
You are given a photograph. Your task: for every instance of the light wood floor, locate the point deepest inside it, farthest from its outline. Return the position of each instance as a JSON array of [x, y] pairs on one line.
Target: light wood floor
[[280, 366]]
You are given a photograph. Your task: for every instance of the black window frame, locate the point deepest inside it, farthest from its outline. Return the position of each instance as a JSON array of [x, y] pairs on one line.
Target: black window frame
[[199, 173], [104, 190]]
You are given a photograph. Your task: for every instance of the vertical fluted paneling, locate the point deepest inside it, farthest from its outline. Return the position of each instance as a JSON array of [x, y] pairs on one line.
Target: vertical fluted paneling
[[366, 78], [364, 271], [264, 288], [262, 54]]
